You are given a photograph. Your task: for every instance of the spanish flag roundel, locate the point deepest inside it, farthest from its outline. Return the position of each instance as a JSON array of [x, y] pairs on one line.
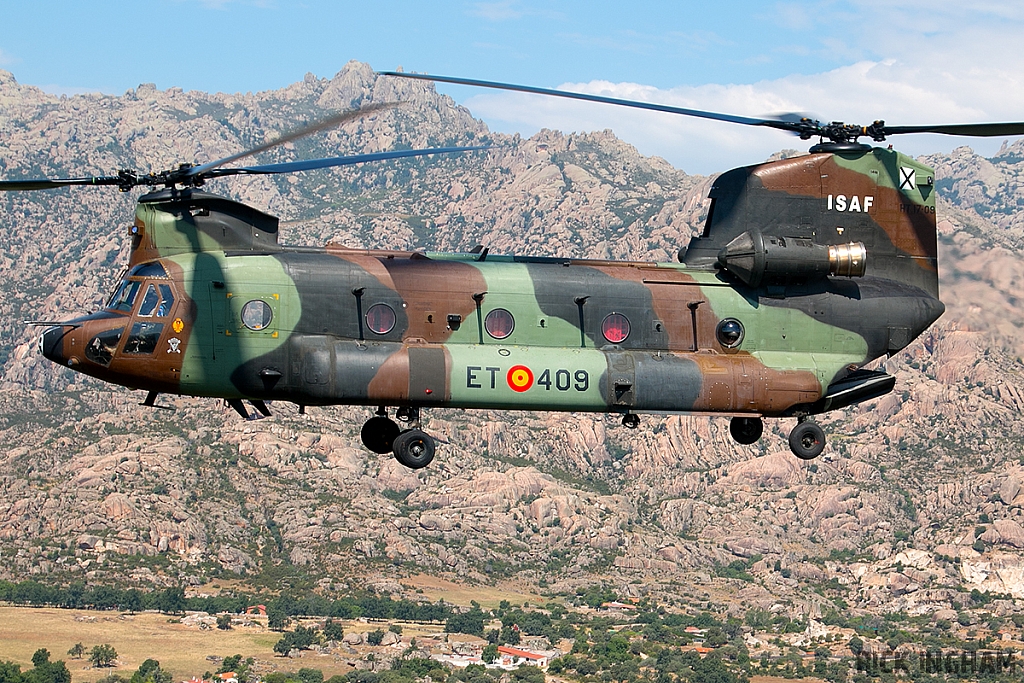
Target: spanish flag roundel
[[520, 378]]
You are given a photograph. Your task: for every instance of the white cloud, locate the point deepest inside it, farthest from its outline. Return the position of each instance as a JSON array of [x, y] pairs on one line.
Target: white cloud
[[941, 63], [6, 59]]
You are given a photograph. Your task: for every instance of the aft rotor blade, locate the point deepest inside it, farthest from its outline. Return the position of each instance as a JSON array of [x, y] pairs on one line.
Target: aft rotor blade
[[310, 164], [52, 183], [329, 122], [745, 120], [979, 130]]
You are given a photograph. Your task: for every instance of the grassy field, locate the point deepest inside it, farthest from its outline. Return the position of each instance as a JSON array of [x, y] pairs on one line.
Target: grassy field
[[181, 649], [435, 588]]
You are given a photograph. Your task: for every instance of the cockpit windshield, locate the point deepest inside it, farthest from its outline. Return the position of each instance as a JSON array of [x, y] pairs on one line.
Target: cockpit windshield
[[157, 301], [123, 297]]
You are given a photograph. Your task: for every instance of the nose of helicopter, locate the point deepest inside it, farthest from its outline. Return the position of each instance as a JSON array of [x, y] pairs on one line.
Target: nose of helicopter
[[51, 344]]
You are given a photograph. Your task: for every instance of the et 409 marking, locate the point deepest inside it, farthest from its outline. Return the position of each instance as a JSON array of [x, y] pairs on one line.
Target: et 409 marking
[[520, 378]]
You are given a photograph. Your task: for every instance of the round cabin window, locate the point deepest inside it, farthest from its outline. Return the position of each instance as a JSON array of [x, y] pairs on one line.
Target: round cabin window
[[729, 333], [615, 328], [257, 314], [380, 318], [499, 323]]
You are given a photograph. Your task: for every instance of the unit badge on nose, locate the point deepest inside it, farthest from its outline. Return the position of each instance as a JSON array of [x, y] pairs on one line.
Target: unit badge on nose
[[172, 345], [178, 325]]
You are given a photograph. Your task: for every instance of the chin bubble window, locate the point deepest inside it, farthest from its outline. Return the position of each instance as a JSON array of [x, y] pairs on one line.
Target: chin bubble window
[[102, 347], [615, 328], [729, 333], [499, 323], [380, 318], [256, 315], [143, 338]]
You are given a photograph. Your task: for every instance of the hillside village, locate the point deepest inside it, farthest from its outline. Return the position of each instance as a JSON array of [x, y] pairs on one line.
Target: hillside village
[[576, 637]]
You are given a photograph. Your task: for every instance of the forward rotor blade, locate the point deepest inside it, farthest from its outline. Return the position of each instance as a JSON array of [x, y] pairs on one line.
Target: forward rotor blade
[[52, 183], [329, 122], [747, 121], [308, 165], [978, 130]]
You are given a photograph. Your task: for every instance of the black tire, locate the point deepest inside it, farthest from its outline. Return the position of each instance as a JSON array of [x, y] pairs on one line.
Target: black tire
[[807, 440], [379, 434], [414, 448], [746, 430]]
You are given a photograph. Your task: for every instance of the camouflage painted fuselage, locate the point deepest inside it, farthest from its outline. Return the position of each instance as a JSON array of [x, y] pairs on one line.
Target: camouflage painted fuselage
[[245, 317]]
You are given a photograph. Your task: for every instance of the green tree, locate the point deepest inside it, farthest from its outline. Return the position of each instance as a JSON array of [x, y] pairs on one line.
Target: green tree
[[715, 637], [490, 653], [224, 622], [333, 630], [471, 622], [172, 601], [11, 673], [277, 618], [527, 674], [235, 664], [508, 636], [232, 663], [46, 671], [301, 638], [757, 618], [375, 637], [77, 650], [102, 655], [151, 672], [856, 645], [307, 675], [132, 601], [283, 646]]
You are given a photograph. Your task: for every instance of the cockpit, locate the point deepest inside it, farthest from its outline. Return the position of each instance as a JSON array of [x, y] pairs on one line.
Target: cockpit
[[152, 301]]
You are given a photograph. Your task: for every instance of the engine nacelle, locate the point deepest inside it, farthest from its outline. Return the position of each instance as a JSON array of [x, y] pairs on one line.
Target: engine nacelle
[[758, 259]]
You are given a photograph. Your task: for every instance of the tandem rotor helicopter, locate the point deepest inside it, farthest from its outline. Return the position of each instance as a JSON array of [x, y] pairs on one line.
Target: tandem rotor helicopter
[[806, 270]]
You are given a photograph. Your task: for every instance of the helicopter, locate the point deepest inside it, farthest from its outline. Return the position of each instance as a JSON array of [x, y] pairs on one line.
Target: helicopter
[[807, 269]]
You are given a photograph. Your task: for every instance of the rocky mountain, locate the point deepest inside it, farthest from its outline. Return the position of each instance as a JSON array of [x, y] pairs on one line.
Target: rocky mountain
[[917, 500]]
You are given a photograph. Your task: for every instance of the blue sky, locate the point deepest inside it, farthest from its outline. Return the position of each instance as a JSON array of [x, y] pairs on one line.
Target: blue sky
[[907, 61]]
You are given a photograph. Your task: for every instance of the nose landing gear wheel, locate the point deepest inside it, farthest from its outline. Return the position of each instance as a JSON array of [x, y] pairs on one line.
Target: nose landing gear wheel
[[807, 440], [414, 448], [746, 430], [379, 433]]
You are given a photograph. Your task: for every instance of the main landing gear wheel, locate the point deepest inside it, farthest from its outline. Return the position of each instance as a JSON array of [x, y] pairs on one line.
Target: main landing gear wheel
[[379, 434], [414, 448], [746, 430], [807, 440]]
